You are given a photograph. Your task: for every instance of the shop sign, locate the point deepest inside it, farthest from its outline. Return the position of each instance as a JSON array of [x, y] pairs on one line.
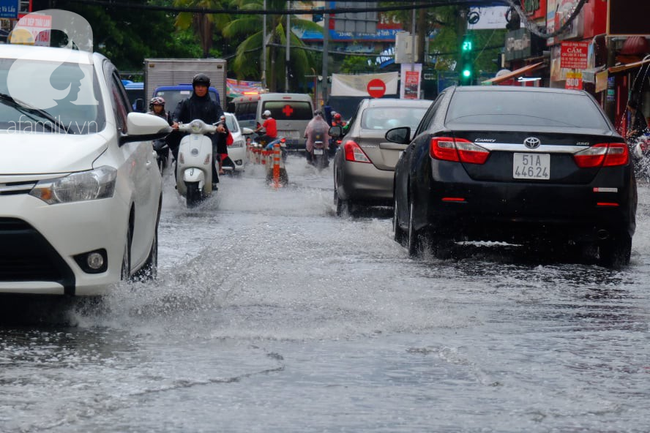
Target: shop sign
[[574, 55], [518, 45], [601, 81], [9, 9], [573, 80]]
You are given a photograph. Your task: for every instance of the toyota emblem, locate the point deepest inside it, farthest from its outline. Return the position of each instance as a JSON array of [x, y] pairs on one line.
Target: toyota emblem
[[532, 142]]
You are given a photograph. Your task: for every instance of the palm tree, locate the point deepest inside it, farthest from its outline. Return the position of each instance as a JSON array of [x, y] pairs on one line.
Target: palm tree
[[247, 61], [203, 24]]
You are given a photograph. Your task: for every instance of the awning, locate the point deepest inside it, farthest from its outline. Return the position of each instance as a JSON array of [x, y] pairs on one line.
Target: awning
[[623, 68], [514, 74]]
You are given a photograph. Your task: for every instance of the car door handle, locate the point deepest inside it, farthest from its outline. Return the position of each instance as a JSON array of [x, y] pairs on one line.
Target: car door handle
[[148, 164], [392, 146]]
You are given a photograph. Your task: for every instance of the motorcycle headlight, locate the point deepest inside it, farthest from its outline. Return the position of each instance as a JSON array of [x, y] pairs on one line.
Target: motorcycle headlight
[[86, 185]]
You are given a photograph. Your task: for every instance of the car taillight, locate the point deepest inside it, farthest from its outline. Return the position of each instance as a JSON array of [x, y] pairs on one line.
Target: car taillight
[[603, 154], [450, 149], [354, 153]]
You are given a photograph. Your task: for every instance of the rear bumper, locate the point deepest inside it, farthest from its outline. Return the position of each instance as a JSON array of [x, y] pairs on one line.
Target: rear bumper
[[522, 212], [363, 182]]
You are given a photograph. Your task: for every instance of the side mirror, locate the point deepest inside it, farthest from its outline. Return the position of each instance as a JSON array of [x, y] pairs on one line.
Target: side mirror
[[139, 105], [401, 135], [247, 131], [144, 127], [336, 131]]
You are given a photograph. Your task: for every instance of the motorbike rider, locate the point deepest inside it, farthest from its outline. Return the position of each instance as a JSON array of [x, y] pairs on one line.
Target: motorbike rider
[[157, 108], [201, 106], [317, 130], [337, 120], [269, 126]]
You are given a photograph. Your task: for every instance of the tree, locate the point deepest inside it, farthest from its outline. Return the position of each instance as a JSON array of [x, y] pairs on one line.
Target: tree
[[203, 24], [358, 65], [248, 28]]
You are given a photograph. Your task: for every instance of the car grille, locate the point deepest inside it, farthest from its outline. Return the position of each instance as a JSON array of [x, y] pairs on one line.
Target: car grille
[[16, 188], [25, 255]]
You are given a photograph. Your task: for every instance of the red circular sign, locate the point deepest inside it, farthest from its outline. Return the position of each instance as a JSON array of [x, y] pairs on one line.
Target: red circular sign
[[376, 88]]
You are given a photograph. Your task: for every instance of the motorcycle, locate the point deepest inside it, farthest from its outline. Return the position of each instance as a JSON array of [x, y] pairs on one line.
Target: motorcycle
[[161, 148], [194, 165], [319, 155]]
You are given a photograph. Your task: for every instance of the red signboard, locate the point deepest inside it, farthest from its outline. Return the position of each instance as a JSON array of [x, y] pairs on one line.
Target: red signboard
[[573, 81], [574, 55], [376, 88]]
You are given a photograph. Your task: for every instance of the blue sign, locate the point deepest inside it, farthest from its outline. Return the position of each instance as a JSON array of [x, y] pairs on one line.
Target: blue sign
[[9, 9]]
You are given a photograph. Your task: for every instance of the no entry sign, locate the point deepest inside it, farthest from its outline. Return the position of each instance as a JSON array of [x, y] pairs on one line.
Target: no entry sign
[[376, 88]]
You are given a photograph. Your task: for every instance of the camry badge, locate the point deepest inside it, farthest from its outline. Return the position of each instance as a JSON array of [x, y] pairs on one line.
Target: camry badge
[[532, 142]]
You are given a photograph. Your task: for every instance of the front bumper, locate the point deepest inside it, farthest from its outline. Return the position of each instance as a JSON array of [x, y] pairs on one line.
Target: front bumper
[[39, 242]]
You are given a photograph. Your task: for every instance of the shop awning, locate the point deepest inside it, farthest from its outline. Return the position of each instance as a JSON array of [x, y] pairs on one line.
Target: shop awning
[[514, 74], [623, 68]]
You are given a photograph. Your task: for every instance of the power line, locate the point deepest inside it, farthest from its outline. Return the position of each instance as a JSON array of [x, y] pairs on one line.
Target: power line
[[409, 6]]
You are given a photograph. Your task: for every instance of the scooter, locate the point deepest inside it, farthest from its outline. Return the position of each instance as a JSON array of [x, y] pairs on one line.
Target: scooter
[[162, 153], [319, 155], [194, 167]]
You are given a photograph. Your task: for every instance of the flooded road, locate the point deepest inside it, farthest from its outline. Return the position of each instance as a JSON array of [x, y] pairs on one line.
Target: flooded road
[[271, 314]]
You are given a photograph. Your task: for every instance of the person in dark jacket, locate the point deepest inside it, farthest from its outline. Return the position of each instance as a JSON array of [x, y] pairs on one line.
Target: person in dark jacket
[[200, 106]]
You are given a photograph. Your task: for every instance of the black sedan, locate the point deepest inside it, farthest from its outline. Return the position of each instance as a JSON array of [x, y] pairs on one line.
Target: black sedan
[[530, 166]]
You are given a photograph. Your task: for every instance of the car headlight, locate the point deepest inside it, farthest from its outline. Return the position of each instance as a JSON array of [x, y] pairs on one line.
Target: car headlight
[[82, 186], [238, 143]]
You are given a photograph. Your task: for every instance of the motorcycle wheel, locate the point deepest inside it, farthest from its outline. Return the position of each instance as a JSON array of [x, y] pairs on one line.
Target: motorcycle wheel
[[193, 194]]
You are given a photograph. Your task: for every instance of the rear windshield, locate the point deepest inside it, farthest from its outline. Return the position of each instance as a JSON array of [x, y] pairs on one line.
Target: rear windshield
[[173, 97], [289, 110], [525, 109], [387, 118]]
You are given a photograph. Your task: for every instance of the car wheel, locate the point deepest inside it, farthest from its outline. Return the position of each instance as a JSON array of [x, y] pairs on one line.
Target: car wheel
[[149, 271], [126, 257], [615, 252], [413, 239], [398, 233], [192, 194], [342, 206]]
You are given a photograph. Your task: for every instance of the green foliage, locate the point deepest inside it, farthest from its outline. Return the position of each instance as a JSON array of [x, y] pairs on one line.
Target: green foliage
[[358, 65]]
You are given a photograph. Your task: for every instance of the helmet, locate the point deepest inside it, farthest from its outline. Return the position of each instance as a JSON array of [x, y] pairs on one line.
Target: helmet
[[201, 80], [337, 116], [156, 100], [318, 113], [266, 113]]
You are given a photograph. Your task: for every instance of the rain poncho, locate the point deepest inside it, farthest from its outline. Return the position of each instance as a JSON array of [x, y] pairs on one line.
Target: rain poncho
[[315, 128]]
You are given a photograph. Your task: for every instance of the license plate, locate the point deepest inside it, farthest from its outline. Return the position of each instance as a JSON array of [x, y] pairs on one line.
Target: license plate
[[318, 151], [289, 134], [531, 166]]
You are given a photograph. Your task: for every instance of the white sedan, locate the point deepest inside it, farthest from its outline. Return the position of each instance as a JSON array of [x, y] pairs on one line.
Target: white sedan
[[80, 190], [237, 150]]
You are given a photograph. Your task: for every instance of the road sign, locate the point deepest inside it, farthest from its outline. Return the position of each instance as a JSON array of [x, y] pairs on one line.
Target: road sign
[[376, 88]]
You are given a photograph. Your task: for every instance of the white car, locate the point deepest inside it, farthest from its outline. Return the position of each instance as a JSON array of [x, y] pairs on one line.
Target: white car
[[80, 190], [237, 150]]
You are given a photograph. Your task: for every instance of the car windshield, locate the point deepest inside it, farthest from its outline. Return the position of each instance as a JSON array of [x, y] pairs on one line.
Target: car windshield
[[551, 109], [49, 97], [173, 97], [391, 117]]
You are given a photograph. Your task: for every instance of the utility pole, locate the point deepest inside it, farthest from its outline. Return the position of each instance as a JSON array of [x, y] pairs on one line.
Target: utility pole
[[264, 48], [288, 50], [326, 32]]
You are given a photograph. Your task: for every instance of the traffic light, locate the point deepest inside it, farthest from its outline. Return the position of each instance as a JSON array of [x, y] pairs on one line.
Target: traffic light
[[466, 63]]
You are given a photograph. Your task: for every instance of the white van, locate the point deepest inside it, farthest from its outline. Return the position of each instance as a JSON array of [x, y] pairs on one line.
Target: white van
[[292, 112]]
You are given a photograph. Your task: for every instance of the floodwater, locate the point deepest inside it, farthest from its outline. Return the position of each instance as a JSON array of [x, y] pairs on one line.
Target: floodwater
[[271, 314]]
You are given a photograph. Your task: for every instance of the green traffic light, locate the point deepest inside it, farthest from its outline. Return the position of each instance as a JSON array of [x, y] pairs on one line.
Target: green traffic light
[[467, 73], [467, 46]]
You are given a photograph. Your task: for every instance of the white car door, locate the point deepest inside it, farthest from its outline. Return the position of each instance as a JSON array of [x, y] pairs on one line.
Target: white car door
[[144, 178]]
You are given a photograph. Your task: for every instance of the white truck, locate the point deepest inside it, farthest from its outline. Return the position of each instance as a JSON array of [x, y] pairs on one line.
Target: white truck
[[174, 72]]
